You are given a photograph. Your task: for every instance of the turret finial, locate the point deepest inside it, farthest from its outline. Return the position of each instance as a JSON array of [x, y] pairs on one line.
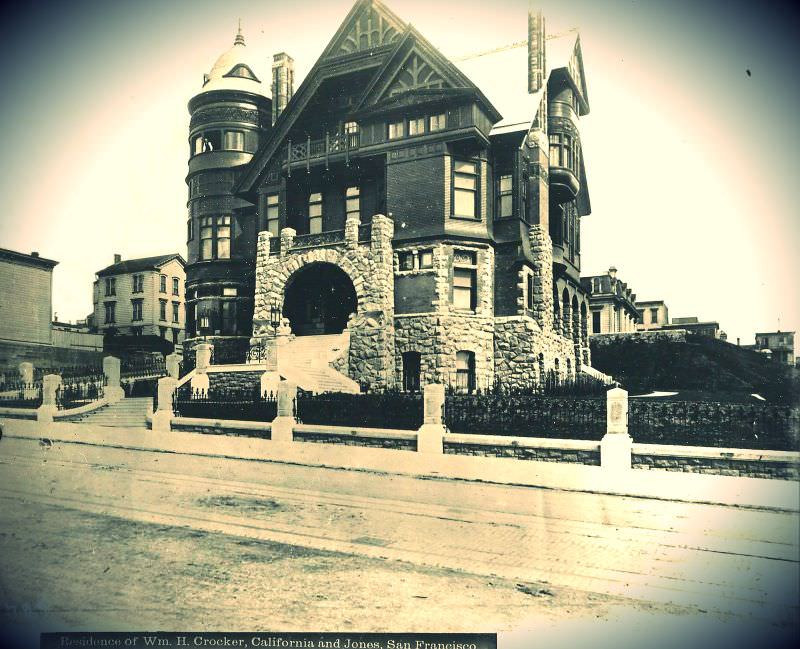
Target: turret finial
[[239, 38]]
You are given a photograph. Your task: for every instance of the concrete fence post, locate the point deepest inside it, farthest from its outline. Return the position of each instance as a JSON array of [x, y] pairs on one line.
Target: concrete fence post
[[173, 366], [113, 391], [203, 353], [26, 373], [29, 390], [283, 425], [162, 417], [430, 435], [50, 385], [616, 445]]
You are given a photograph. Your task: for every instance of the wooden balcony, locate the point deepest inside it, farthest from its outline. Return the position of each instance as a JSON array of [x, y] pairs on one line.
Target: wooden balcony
[[330, 148]]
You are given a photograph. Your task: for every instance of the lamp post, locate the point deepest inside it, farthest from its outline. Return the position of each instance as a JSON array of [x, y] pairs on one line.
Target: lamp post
[[275, 317]]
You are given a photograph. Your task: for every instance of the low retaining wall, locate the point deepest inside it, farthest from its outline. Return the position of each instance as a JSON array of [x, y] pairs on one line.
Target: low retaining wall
[[781, 465], [525, 448], [371, 437]]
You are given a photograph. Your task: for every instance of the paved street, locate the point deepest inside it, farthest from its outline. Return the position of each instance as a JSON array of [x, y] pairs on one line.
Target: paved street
[[99, 537]]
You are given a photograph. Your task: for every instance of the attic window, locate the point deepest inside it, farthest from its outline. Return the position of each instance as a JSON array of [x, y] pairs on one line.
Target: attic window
[[243, 72]]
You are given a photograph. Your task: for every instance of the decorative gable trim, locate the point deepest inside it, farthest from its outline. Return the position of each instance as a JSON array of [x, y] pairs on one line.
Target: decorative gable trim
[[369, 25]]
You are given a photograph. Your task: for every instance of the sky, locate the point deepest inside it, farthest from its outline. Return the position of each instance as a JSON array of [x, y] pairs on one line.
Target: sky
[[691, 145]]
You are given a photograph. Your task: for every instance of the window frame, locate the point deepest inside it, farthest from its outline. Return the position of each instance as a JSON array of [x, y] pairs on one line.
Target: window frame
[[352, 201], [416, 126], [162, 285], [111, 287], [176, 312], [110, 312], [176, 286], [273, 213], [137, 309], [465, 357], [315, 219], [457, 175], [162, 310], [398, 127], [505, 194], [439, 124], [229, 134]]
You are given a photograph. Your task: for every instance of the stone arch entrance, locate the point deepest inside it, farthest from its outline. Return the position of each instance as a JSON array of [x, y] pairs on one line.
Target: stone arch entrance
[[318, 299]]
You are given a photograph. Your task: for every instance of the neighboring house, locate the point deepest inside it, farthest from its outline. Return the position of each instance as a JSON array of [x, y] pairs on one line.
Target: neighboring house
[[654, 314], [141, 297], [428, 207], [779, 343], [27, 333], [611, 304], [26, 297]]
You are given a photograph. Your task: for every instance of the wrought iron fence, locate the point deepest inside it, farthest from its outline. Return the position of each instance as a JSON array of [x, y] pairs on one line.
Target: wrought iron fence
[[258, 352], [243, 405], [390, 409], [21, 395], [550, 384], [141, 367], [74, 394], [706, 423], [526, 415]]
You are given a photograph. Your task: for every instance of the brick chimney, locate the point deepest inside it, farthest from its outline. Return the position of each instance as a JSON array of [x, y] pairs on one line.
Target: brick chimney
[[282, 83], [117, 258], [536, 53]]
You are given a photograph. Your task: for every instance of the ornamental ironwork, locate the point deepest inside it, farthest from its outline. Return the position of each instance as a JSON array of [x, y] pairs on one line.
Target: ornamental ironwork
[[318, 239]]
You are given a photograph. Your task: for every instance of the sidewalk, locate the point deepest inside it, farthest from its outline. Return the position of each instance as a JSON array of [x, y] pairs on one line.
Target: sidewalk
[[664, 485]]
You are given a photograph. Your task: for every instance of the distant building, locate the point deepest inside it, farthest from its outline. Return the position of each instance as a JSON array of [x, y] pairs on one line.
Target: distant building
[[27, 333], [695, 326], [780, 345], [141, 297], [611, 304], [654, 314], [26, 297]]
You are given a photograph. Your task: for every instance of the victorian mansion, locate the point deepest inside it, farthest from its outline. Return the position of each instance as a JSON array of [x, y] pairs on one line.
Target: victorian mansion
[[417, 215]]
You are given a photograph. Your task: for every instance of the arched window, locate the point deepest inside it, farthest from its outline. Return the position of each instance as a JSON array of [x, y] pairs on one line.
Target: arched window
[[465, 371], [411, 371]]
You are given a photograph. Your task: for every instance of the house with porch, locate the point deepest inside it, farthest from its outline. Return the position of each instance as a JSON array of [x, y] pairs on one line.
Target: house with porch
[[408, 218]]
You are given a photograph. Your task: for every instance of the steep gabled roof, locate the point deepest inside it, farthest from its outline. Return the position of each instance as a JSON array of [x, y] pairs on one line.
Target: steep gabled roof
[[140, 265], [381, 37]]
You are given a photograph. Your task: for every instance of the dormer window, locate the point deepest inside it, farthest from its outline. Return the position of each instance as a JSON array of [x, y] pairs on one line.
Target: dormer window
[[437, 122], [397, 130], [416, 126], [243, 72]]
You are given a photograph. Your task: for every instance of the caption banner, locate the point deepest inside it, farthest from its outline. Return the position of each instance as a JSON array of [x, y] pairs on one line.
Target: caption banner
[[189, 639]]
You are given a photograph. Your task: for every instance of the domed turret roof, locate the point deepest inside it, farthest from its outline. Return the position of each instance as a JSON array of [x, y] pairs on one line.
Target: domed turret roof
[[233, 71]]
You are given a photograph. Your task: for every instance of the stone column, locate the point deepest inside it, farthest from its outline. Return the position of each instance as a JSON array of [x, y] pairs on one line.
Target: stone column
[[287, 240], [162, 417], [173, 363], [430, 435], [283, 424], [351, 230], [45, 412], [616, 445], [113, 391], [203, 353]]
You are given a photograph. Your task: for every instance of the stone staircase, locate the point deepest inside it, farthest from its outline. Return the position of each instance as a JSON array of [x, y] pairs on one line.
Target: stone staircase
[[306, 361], [128, 413]]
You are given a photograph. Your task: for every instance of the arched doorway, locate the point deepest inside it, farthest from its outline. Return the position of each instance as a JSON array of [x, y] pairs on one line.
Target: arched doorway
[[318, 299]]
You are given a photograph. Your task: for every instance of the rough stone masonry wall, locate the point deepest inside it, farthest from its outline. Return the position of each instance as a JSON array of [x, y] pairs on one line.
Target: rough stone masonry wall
[[444, 331], [369, 267], [719, 466], [572, 456], [518, 341], [234, 381]]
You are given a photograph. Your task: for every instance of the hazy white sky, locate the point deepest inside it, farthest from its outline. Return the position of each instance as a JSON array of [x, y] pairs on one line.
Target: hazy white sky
[[691, 161]]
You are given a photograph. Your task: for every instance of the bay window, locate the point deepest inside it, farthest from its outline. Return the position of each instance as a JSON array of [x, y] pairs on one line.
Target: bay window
[[465, 189]]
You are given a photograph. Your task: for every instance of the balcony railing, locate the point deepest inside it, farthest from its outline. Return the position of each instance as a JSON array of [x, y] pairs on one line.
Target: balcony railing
[[321, 149], [318, 239]]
